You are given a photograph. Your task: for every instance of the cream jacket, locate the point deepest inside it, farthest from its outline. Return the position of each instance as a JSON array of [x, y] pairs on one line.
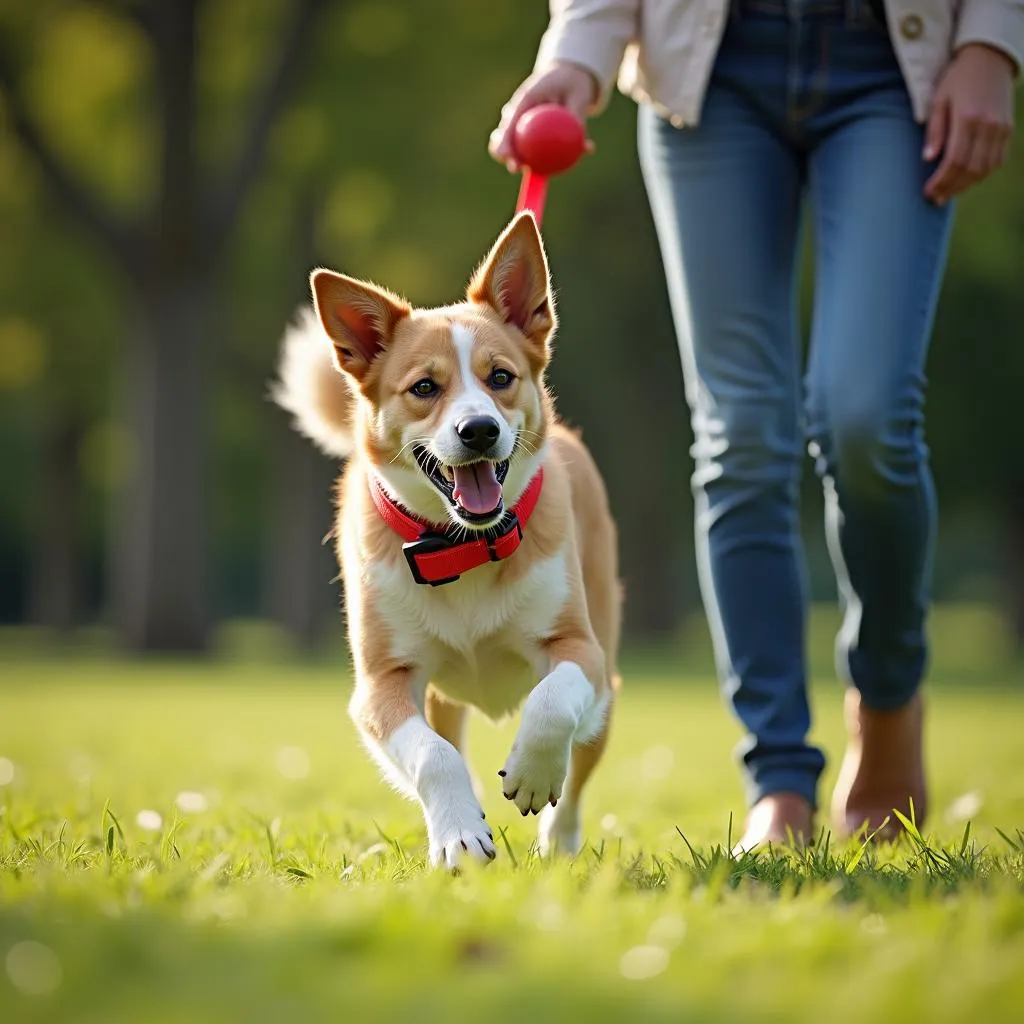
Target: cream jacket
[[661, 52]]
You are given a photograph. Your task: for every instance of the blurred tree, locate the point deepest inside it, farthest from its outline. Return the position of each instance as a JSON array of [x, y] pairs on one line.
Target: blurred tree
[[53, 375], [300, 558], [57, 586], [211, 151], [977, 367], [169, 251]]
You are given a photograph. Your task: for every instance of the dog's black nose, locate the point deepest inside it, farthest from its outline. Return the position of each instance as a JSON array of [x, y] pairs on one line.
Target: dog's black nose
[[479, 433]]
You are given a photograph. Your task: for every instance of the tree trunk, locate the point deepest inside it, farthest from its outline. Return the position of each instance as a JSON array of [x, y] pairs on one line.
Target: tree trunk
[[57, 581], [159, 542], [299, 595], [657, 530], [157, 572], [651, 571]]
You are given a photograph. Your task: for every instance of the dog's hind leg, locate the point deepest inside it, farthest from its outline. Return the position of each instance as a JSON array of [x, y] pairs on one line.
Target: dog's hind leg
[[449, 720], [560, 828]]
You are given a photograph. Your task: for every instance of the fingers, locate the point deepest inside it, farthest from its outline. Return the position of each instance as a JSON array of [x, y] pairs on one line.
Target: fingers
[[571, 87], [500, 144], [1002, 135], [952, 174], [527, 96], [1004, 148], [993, 155], [938, 127], [949, 176], [976, 146], [578, 99]]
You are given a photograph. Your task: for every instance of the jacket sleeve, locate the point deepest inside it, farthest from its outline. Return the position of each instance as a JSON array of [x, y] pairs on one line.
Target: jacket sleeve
[[593, 34], [997, 23]]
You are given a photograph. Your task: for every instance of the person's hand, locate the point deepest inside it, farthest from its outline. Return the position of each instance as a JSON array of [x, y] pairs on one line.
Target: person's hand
[[971, 120], [568, 85]]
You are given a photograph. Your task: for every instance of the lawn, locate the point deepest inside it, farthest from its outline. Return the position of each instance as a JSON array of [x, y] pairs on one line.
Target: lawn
[[207, 842]]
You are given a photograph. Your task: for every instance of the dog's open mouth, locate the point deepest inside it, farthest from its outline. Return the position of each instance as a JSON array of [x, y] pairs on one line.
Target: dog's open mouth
[[473, 489]]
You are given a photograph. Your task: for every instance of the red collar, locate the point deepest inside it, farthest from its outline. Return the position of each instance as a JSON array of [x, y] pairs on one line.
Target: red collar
[[435, 557]]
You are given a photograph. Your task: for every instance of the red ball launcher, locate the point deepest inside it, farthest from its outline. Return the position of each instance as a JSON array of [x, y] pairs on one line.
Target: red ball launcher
[[547, 140]]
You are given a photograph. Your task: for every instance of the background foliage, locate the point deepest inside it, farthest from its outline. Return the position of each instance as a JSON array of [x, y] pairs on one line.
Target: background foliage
[[169, 172]]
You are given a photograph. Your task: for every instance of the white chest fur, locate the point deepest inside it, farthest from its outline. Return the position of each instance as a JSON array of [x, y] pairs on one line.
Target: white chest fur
[[478, 640]]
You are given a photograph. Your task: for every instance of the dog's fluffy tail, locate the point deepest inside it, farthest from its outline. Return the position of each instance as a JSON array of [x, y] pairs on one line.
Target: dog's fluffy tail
[[311, 388]]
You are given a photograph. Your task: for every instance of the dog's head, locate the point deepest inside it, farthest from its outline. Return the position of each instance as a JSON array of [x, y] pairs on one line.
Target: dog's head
[[454, 409]]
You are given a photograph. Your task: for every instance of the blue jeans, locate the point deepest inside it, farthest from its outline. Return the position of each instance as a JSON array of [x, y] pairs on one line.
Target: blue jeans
[[806, 101]]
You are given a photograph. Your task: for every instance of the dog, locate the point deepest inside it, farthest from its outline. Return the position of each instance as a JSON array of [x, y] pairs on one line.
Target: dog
[[477, 550]]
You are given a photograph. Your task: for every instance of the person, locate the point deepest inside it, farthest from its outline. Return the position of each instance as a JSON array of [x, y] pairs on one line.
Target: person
[[874, 115]]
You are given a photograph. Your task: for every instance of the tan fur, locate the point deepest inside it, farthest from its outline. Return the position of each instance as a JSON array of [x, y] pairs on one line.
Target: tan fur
[[447, 719], [493, 636]]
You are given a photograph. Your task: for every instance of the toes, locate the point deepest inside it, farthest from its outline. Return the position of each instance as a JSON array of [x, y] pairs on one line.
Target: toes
[[467, 847], [532, 791], [453, 854], [533, 802]]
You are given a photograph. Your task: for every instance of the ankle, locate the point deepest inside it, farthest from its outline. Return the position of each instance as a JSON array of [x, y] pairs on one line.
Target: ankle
[[882, 770]]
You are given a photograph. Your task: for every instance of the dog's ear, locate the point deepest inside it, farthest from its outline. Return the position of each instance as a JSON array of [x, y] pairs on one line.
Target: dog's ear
[[359, 318], [513, 280]]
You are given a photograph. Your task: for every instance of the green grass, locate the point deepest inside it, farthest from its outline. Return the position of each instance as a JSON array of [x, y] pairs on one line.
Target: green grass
[[299, 893]]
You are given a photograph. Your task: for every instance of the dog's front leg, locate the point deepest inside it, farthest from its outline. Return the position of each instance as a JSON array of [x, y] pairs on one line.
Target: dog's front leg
[[424, 765], [567, 706]]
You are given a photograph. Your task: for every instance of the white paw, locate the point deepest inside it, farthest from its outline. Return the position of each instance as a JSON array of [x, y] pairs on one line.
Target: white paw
[[535, 770], [458, 833], [559, 830]]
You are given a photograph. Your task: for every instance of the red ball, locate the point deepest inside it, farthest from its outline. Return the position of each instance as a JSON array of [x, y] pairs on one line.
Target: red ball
[[549, 139]]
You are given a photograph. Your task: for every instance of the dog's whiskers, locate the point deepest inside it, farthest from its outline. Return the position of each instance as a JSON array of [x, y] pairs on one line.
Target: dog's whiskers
[[522, 445], [421, 441]]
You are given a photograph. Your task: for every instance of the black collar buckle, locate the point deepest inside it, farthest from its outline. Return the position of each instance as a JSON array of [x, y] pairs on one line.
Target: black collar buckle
[[428, 543]]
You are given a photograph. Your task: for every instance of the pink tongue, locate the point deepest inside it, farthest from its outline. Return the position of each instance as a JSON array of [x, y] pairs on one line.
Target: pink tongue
[[476, 488]]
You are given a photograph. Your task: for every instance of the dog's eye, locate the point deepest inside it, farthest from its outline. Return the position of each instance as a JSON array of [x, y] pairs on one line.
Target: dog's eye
[[500, 379], [423, 388]]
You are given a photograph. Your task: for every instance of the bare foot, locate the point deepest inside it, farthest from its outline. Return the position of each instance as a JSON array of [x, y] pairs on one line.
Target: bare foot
[[883, 769], [780, 819]]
